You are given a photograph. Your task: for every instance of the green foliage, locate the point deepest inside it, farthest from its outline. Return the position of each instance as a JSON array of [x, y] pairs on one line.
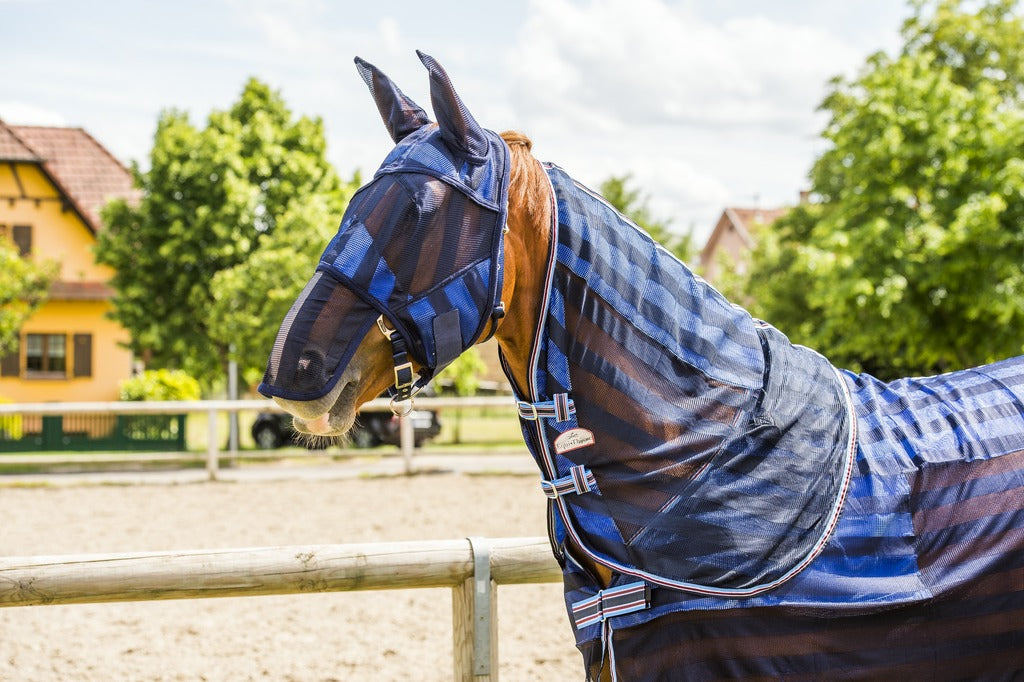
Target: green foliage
[[911, 261], [10, 424], [213, 199], [464, 373], [160, 384], [631, 203], [24, 286]]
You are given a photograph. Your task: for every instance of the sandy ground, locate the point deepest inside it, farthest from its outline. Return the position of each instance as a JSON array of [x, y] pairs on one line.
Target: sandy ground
[[381, 635]]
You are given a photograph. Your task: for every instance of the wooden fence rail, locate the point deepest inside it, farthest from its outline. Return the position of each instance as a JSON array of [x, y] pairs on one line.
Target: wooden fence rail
[[473, 568]]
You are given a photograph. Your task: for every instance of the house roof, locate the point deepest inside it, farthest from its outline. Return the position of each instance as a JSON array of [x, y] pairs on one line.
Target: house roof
[[82, 169], [743, 221], [13, 149]]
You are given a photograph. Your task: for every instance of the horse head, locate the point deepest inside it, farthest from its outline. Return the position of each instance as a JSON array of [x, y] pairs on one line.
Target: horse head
[[415, 273]]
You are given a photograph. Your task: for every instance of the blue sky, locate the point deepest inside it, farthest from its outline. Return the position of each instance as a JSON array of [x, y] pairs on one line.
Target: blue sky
[[705, 103]]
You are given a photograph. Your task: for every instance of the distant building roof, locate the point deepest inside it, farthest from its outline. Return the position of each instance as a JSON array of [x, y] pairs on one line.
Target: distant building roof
[[734, 235], [83, 170]]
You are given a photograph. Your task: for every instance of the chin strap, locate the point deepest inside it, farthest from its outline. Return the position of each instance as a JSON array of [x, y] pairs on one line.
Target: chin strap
[[405, 384]]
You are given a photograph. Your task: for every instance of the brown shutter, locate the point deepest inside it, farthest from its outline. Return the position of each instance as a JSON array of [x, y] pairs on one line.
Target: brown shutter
[[23, 239], [9, 364], [83, 355]]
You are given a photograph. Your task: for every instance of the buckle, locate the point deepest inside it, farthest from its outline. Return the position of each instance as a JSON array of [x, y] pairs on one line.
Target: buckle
[[387, 331], [406, 367]]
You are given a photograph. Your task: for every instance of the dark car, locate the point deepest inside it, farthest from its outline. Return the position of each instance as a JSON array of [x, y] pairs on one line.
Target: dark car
[[274, 429]]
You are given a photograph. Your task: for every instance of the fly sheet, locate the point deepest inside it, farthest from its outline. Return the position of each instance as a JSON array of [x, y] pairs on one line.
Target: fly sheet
[[716, 467]]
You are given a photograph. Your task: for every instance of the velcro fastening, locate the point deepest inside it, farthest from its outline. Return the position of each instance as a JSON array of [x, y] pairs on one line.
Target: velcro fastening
[[579, 481], [615, 601], [447, 337]]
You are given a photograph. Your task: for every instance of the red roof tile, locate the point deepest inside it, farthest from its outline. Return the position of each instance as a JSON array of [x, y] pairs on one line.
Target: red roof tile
[[82, 168], [80, 291], [11, 148]]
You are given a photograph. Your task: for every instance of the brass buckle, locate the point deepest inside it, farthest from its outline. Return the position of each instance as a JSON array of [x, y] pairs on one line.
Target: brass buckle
[[387, 331], [399, 368]]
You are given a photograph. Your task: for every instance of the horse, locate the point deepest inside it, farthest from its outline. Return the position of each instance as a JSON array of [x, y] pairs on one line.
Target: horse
[[723, 503]]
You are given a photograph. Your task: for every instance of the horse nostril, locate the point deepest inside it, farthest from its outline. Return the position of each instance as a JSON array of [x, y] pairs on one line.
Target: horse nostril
[[310, 370]]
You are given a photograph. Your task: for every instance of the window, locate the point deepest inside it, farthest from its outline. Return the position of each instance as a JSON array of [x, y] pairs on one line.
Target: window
[[23, 239], [45, 355], [83, 355], [10, 364]]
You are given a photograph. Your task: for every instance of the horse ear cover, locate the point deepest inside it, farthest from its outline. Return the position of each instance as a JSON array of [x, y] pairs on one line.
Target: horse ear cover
[[400, 114], [458, 127]]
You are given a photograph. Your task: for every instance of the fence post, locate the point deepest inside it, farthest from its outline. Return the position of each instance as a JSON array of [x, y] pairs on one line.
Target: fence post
[[475, 620], [211, 444], [407, 441]]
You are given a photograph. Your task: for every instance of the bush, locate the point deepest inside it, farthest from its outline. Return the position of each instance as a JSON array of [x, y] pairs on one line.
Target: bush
[[10, 424], [160, 384]]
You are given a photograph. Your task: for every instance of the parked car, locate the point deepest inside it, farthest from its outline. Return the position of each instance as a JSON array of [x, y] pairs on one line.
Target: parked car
[[274, 429]]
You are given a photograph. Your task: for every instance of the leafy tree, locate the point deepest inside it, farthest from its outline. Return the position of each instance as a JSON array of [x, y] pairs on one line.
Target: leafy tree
[[910, 262], [24, 286], [631, 203], [464, 374], [213, 198]]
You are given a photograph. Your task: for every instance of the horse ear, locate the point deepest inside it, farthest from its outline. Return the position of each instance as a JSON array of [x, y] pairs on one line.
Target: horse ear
[[401, 115], [458, 127]]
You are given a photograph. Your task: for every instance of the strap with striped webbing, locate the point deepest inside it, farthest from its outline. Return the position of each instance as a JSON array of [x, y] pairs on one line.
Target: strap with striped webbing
[[561, 408], [614, 601], [580, 480]]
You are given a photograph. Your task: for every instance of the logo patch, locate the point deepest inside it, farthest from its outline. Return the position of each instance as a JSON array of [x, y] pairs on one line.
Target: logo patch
[[573, 439]]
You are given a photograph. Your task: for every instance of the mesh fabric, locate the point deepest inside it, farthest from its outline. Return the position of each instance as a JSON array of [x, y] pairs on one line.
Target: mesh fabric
[[420, 240]]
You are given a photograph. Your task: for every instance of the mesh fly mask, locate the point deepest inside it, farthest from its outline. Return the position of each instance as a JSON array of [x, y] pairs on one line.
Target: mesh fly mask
[[419, 247]]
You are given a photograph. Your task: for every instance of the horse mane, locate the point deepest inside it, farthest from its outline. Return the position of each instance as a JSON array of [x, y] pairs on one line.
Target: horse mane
[[528, 184]]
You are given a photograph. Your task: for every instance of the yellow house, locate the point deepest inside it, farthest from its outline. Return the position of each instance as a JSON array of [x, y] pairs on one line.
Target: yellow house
[[53, 183]]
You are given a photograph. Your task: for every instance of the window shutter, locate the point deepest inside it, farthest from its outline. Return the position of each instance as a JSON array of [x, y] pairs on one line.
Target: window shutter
[[9, 364], [23, 239], [83, 355]]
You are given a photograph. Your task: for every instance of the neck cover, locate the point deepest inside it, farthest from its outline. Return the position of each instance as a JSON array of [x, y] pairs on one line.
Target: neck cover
[[683, 443], [421, 244]]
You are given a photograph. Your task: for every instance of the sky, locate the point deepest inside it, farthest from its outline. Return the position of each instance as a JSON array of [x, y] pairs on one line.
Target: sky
[[706, 104]]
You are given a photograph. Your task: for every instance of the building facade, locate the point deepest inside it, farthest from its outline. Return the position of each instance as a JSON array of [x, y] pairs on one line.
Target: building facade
[[53, 184]]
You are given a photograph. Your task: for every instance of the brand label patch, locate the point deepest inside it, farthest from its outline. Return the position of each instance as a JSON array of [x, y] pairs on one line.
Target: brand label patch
[[573, 439]]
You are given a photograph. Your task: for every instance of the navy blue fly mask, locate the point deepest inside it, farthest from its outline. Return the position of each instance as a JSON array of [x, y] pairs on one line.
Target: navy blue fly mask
[[420, 246]]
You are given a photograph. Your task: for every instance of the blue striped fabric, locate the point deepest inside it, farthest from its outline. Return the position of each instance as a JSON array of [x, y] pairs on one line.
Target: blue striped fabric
[[423, 238], [737, 474]]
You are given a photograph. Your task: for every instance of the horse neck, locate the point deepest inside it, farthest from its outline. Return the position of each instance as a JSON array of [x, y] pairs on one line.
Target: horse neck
[[526, 250]]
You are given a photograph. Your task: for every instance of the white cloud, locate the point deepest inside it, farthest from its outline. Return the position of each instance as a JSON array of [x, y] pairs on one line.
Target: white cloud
[[23, 113], [655, 89]]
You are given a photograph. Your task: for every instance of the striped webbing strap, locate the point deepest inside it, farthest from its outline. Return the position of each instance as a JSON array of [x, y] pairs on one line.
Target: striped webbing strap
[[615, 601], [579, 481], [561, 408]]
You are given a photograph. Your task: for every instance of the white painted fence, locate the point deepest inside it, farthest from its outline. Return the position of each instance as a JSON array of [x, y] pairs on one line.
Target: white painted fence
[[472, 568], [213, 407]]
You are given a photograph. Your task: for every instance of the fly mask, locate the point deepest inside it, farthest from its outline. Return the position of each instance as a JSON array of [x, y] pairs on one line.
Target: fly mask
[[419, 250]]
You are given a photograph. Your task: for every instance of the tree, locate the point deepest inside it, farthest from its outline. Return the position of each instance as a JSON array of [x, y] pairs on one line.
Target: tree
[[250, 299], [631, 203], [464, 374], [910, 261], [24, 286], [213, 198]]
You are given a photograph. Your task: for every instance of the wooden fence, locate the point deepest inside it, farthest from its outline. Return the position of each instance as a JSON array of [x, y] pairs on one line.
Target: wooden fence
[[472, 568]]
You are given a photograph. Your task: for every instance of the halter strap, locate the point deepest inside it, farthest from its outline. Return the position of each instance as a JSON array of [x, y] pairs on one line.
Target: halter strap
[[404, 375]]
